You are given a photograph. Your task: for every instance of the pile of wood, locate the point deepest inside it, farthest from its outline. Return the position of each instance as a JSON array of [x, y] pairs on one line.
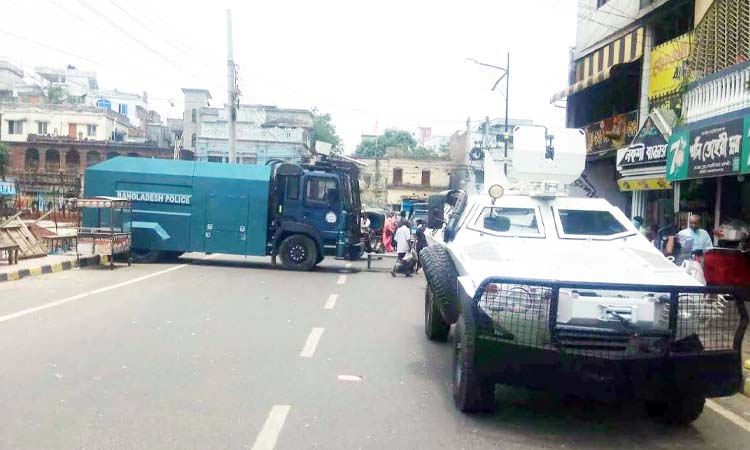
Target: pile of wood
[[15, 231]]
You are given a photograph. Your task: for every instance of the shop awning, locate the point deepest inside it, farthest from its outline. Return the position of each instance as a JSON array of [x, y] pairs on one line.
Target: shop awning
[[597, 65], [643, 184]]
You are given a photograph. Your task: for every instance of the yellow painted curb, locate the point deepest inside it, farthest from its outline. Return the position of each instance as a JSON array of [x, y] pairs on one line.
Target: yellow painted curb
[[13, 276], [35, 271], [57, 267], [104, 259], [746, 388], [747, 364]]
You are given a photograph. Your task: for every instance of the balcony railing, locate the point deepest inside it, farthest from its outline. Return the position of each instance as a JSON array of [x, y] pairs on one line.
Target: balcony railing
[[719, 93]]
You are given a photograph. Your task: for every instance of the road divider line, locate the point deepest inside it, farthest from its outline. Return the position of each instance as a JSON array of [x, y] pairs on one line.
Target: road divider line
[[729, 415], [331, 302], [269, 434], [26, 312], [342, 279], [312, 342]]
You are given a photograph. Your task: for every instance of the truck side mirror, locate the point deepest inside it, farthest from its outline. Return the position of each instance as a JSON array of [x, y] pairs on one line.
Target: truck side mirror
[[435, 211]]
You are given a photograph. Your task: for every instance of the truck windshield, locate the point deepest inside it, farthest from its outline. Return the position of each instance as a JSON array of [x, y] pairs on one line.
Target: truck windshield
[[589, 223]]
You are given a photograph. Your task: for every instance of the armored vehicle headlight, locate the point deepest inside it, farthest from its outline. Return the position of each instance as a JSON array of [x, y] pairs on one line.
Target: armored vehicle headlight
[[496, 191]]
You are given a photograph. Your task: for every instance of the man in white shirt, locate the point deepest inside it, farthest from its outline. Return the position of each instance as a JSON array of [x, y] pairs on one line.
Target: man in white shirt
[[402, 243], [701, 238]]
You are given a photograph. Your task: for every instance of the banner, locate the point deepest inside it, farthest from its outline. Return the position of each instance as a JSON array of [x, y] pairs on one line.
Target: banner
[[669, 69], [708, 151], [611, 133]]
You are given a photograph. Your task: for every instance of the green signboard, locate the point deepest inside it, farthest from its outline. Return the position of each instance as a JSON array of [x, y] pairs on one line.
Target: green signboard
[[717, 149]]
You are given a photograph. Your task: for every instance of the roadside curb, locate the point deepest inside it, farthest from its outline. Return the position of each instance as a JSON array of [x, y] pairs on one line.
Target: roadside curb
[[86, 261]]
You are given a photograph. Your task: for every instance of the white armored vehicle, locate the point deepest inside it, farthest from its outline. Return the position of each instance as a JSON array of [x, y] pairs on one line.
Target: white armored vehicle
[[555, 292]]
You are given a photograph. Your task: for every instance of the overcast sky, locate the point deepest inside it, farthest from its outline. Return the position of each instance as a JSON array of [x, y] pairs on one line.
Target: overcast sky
[[391, 63]]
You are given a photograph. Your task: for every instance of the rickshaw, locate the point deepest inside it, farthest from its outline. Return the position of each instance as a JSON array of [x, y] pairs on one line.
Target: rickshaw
[[372, 235]]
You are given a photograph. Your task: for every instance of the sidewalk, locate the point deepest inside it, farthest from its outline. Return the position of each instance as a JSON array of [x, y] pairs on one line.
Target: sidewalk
[[47, 264]]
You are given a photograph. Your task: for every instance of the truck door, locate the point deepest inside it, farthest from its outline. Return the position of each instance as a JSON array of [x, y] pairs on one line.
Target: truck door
[[322, 206], [291, 198], [226, 223]]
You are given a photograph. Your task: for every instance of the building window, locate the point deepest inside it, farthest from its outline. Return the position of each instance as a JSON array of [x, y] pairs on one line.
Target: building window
[[15, 127], [600, 3], [194, 116], [192, 142], [90, 130], [41, 128], [426, 178], [398, 176], [123, 109]]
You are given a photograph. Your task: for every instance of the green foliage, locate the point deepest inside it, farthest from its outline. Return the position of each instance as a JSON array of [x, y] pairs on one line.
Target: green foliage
[[392, 137], [402, 141], [56, 95], [325, 131], [4, 160]]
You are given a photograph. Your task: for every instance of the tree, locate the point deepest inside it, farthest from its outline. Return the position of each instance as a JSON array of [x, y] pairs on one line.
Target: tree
[[324, 130], [3, 160], [56, 95], [392, 137]]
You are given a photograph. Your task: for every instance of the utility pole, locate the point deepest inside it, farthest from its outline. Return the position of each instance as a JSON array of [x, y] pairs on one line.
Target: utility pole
[[506, 75], [231, 93]]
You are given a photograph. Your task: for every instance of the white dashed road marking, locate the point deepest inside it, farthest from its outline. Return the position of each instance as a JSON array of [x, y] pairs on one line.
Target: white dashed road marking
[[331, 302], [729, 415], [311, 343], [269, 434], [342, 279]]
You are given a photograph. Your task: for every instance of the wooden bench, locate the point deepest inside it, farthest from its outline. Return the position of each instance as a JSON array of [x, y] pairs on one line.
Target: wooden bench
[[379, 256], [11, 251]]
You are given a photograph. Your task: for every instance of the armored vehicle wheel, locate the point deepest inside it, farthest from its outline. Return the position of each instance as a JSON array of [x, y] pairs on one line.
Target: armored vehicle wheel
[[681, 411], [435, 327], [143, 256], [298, 252], [441, 277], [471, 393]]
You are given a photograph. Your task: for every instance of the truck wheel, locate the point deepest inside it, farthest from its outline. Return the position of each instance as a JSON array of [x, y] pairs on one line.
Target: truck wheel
[[170, 256], [441, 277], [678, 412], [143, 256], [471, 393], [298, 252], [434, 326]]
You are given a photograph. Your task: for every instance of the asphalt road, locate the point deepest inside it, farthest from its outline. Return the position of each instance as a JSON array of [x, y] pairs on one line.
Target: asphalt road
[[229, 353]]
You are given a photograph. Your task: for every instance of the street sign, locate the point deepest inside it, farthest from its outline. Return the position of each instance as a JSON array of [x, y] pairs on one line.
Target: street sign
[[7, 188]]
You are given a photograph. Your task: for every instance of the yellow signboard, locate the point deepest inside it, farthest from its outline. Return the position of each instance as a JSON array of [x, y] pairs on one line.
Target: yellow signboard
[[669, 68], [643, 184]]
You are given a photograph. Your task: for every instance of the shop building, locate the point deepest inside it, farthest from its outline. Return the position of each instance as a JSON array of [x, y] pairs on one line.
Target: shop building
[[611, 95]]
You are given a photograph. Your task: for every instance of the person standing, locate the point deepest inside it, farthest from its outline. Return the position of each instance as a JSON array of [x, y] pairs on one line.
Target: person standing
[[402, 245], [421, 242], [701, 238], [389, 227]]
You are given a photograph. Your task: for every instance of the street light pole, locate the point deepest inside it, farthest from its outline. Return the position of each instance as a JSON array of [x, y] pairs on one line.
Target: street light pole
[[506, 75], [505, 136]]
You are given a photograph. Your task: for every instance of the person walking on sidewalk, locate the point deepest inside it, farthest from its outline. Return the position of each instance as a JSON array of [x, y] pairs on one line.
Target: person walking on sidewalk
[[402, 246]]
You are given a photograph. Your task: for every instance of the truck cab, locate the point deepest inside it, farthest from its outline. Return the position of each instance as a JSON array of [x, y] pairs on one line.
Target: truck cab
[[320, 202]]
